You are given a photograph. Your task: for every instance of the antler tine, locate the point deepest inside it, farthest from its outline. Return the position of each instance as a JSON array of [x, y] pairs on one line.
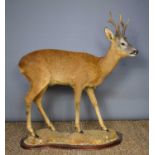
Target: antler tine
[[124, 25], [116, 26], [117, 29], [110, 20]]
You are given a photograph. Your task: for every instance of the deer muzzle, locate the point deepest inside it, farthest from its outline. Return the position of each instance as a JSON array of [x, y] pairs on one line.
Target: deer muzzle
[[134, 53]]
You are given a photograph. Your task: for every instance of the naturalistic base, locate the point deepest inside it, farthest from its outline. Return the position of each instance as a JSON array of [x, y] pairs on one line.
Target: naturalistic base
[[90, 139]]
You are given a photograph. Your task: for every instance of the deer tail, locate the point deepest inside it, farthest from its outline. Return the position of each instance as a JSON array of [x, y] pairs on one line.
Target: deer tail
[[21, 65]]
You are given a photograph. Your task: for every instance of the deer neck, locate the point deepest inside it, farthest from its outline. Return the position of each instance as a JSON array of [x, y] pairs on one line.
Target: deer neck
[[109, 61]]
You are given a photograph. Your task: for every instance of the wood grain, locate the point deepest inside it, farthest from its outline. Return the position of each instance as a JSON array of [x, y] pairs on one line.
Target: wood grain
[[135, 138]]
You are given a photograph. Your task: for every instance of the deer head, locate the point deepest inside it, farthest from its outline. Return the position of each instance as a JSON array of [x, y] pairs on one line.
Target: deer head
[[119, 42]]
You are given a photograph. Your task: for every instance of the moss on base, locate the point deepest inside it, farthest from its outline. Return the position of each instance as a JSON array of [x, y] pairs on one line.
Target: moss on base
[[90, 139]]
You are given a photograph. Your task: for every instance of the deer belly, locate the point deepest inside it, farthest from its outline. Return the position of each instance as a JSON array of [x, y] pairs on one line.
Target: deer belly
[[62, 79]]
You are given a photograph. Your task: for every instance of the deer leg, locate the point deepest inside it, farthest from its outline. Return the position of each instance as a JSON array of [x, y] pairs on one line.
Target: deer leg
[[77, 109], [93, 100], [29, 99], [28, 117], [38, 101]]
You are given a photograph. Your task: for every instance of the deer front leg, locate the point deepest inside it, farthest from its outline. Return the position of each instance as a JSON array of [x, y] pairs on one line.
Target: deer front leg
[[77, 98], [93, 100]]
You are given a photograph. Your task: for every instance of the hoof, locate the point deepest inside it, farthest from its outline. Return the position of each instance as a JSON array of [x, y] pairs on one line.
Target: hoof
[[51, 128], [36, 136], [32, 134], [78, 130], [81, 131], [105, 129]]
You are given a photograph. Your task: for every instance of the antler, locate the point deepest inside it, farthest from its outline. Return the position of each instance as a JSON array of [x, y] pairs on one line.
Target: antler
[[110, 20], [124, 25], [117, 26]]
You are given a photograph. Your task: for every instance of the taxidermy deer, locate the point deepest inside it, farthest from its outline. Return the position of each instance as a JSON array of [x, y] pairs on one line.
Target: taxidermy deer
[[81, 71]]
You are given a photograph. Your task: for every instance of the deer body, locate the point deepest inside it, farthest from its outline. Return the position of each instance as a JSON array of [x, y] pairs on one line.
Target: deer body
[[66, 67], [81, 71]]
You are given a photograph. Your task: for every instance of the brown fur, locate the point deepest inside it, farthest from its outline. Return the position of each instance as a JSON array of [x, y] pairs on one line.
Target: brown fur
[[76, 69], [81, 71]]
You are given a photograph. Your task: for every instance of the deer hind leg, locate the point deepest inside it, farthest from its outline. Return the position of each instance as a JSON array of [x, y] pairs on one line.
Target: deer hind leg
[[77, 98], [93, 100], [29, 99], [38, 101], [35, 90]]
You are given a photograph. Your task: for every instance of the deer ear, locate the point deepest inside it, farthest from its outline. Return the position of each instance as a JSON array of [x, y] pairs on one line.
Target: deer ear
[[109, 34]]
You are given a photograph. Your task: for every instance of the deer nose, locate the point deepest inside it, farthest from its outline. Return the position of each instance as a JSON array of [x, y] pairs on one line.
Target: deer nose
[[136, 51]]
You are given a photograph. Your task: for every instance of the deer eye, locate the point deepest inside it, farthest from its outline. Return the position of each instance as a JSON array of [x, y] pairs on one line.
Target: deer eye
[[123, 44]]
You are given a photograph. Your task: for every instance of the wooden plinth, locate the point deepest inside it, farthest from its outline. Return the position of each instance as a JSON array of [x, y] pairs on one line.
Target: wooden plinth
[[90, 139]]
